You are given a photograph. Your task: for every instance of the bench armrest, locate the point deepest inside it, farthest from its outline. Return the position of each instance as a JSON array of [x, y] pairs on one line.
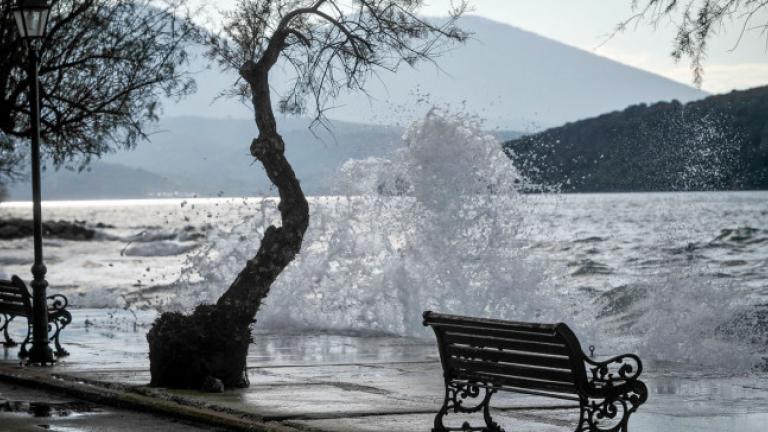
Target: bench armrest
[[614, 371], [57, 303]]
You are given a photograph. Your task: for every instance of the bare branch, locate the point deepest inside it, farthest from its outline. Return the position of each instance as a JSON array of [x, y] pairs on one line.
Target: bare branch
[[330, 45], [697, 21]]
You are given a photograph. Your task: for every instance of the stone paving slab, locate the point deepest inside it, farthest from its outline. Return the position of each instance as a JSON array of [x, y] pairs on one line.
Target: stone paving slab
[[355, 383]]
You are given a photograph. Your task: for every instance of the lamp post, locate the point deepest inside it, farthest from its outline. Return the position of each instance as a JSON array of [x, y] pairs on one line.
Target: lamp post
[[31, 19]]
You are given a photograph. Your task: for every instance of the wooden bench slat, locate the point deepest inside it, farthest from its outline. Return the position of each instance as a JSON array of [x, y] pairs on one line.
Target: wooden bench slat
[[517, 382], [533, 359], [512, 370], [508, 344], [433, 318], [11, 297], [502, 333], [11, 290], [14, 299]]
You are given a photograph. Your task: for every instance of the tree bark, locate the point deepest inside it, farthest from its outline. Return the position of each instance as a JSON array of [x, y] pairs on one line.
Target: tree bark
[[214, 340]]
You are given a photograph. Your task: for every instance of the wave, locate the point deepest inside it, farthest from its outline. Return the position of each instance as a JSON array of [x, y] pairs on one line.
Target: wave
[[589, 267], [592, 239], [159, 248]]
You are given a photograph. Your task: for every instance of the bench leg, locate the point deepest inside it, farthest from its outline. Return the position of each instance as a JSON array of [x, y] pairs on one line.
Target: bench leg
[[56, 324], [612, 414], [59, 322], [23, 353], [5, 320], [455, 396]]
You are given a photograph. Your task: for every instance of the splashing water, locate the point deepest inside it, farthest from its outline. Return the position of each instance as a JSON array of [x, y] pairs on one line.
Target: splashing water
[[435, 226], [683, 321]]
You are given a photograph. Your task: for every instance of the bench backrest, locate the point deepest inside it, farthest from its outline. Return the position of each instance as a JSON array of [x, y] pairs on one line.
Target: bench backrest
[[14, 297], [530, 357]]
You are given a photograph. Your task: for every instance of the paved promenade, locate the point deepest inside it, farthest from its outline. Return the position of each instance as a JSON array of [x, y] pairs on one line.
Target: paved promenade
[[331, 382]]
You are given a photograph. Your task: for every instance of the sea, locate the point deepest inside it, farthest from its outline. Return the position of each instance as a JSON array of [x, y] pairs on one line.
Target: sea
[[677, 277]]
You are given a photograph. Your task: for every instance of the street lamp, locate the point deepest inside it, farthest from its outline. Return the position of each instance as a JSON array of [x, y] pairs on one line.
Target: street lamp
[[31, 19]]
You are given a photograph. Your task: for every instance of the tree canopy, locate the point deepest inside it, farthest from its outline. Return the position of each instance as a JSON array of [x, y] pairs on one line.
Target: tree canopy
[[329, 46], [697, 21], [104, 67]]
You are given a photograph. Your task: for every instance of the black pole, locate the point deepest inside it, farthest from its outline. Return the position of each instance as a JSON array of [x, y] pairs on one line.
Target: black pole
[[41, 352]]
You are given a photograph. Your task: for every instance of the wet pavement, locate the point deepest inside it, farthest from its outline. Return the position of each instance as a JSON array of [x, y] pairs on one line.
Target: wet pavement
[[351, 383], [28, 410]]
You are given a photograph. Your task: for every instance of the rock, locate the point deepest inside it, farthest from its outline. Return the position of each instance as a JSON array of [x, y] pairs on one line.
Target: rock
[[8, 232], [67, 231], [212, 385], [11, 229]]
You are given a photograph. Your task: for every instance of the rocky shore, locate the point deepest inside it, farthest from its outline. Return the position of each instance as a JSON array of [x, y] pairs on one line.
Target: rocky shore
[[11, 229]]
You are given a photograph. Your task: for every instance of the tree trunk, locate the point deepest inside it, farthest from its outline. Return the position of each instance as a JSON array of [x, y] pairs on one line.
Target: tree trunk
[[184, 350]]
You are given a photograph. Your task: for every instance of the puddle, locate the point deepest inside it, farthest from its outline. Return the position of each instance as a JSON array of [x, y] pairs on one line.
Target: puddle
[[46, 409]]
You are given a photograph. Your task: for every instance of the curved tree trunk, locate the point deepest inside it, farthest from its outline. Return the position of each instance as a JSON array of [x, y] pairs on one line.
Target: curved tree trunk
[[185, 350]]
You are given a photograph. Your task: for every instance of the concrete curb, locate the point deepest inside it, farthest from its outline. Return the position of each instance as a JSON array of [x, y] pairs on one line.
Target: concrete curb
[[143, 399]]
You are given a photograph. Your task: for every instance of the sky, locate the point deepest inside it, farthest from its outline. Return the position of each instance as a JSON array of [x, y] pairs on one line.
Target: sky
[[586, 24]]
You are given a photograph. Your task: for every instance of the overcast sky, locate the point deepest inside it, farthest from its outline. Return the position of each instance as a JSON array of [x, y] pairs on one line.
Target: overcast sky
[[586, 24]]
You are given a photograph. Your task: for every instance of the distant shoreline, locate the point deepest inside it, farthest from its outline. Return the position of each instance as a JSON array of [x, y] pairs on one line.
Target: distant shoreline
[[165, 200]]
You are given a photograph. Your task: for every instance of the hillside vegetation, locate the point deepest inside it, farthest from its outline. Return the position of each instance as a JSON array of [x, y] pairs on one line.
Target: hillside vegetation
[[717, 143]]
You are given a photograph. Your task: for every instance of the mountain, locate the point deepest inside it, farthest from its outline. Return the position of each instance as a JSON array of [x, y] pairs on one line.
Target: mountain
[[100, 181], [718, 143], [514, 79], [209, 157]]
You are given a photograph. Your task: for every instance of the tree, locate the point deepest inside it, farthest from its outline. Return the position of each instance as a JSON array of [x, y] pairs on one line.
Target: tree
[[9, 159], [699, 20], [105, 64], [329, 45]]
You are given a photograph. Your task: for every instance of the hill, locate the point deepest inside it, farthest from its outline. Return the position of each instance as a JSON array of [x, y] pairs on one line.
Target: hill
[[100, 181], [209, 157], [718, 143]]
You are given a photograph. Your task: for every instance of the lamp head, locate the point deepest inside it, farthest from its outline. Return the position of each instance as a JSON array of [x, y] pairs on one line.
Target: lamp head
[[31, 17]]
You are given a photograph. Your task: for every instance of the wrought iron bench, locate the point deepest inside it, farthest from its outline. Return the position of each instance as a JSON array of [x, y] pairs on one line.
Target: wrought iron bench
[[531, 358], [15, 300]]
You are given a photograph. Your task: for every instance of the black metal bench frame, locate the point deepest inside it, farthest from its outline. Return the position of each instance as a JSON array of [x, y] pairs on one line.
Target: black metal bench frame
[[15, 300], [483, 356]]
